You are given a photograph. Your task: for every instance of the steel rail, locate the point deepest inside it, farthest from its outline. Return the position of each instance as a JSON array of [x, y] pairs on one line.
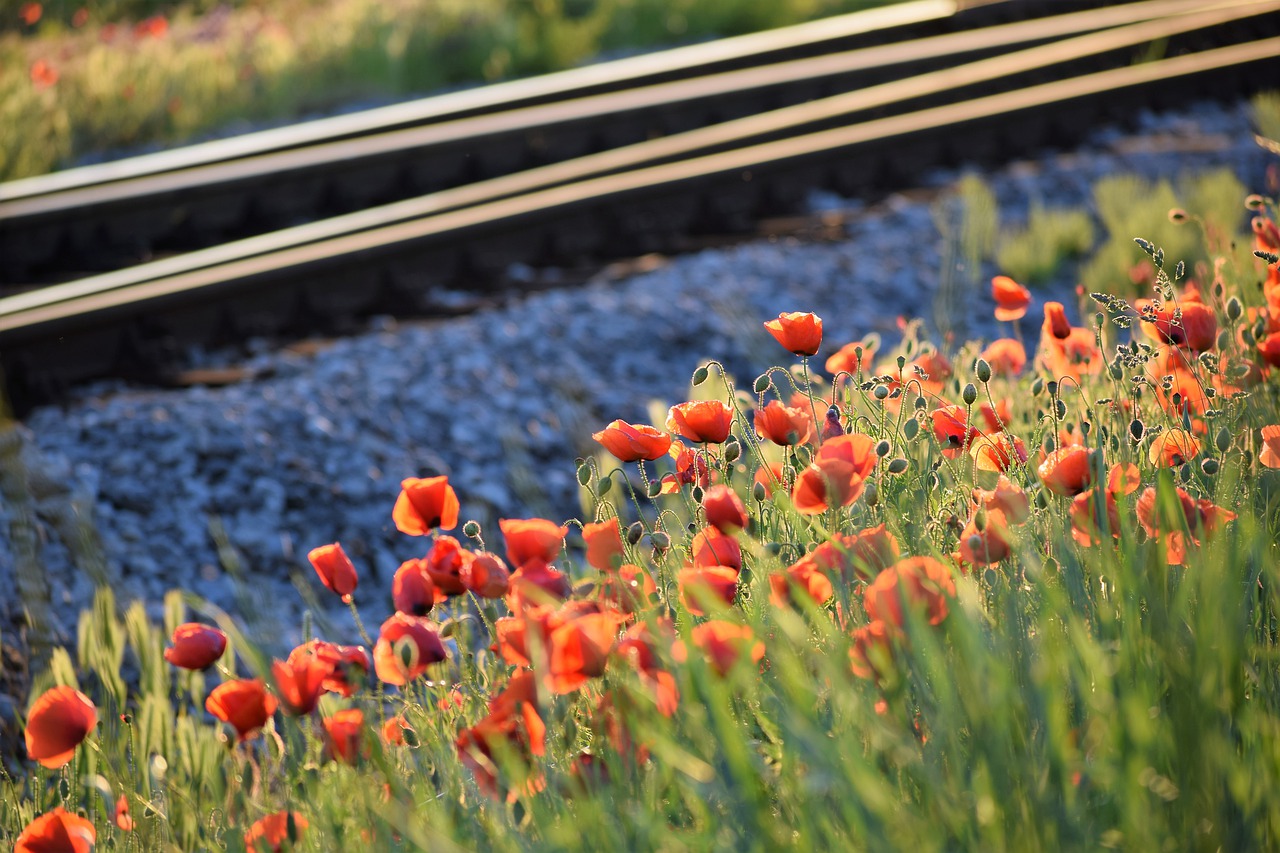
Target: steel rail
[[365, 247], [737, 132]]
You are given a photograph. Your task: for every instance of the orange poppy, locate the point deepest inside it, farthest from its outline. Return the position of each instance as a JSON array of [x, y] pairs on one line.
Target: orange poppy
[[863, 554], [532, 539], [726, 643], [335, 568], [43, 74], [704, 587], [630, 589], [633, 442], [1201, 517], [691, 469], [604, 544], [58, 830], [846, 359], [925, 583], [535, 584], [637, 647], [998, 452], [1005, 357], [1068, 470], [1065, 350], [195, 646], [1269, 349], [514, 722], [1007, 498], [412, 590], [580, 649], [487, 576], [989, 545], [805, 575], [1269, 455], [724, 509], [300, 680], [344, 735], [393, 730], [274, 831], [799, 333], [425, 504], [30, 13], [872, 650], [997, 417], [1172, 448], [1011, 298], [784, 425], [445, 563], [710, 547], [59, 721], [244, 703], [1187, 323], [124, 820], [346, 667], [702, 421], [837, 474], [406, 647], [953, 429]]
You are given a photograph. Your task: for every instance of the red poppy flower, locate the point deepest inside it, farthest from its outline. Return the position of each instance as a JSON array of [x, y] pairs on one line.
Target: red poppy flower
[[1269, 349], [691, 470], [998, 417], [487, 576], [922, 581], [1011, 298], [799, 333], [633, 442], [1269, 455], [407, 646], [997, 452], [513, 722], [59, 721], [1172, 448], [710, 547], [58, 830], [637, 646], [124, 820], [1200, 517], [536, 584], [604, 544], [871, 655], [863, 554], [953, 429], [334, 568], [346, 667], [846, 358], [344, 735], [1005, 356], [43, 74], [153, 27], [425, 504], [196, 646], [1087, 519], [1067, 470], [784, 425], [412, 590], [532, 539], [1007, 498], [703, 587], [445, 563], [630, 589], [804, 575], [724, 509], [244, 703], [30, 13], [726, 643], [274, 831], [989, 545], [1188, 323], [580, 648], [837, 475], [1067, 351], [300, 680], [393, 730], [701, 421]]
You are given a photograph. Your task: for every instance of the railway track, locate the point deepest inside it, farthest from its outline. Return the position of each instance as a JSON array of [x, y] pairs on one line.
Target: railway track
[[1049, 79]]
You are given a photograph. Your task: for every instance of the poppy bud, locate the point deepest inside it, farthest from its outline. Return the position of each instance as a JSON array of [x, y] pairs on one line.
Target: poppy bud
[[661, 541], [881, 392], [1234, 309], [1209, 466], [606, 483], [732, 450], [762, 383], [982, 370], [1060, 408], [699, 376], [1177, 215], [1254, 202], [1037, 387], [584, 475], [471, 529], [634, 532], [1137, 429], [1223, 440], [969, 395], [871, 494], [697, 494], [980, 520], [897, 466], [655, 489]]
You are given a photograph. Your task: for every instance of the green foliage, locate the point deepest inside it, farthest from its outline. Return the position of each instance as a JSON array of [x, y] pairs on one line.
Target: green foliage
[[1031, 255], [1266, 114]]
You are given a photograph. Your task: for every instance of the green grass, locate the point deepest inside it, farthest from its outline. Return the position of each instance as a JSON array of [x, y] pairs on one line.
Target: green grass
[[1031, 255], [1074, 698]]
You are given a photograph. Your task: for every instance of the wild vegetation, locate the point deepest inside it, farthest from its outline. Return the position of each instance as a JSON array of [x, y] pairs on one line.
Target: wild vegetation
[[1009, 597]]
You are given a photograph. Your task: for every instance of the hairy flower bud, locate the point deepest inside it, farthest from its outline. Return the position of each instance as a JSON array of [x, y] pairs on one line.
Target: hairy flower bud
[[982, 370], [969, 395]]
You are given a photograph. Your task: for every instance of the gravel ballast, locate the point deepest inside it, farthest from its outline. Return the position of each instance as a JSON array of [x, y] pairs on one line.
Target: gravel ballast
[[502, 400]]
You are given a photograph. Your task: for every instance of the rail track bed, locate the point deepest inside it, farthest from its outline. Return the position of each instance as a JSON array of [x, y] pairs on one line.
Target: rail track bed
[[655, 165]]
